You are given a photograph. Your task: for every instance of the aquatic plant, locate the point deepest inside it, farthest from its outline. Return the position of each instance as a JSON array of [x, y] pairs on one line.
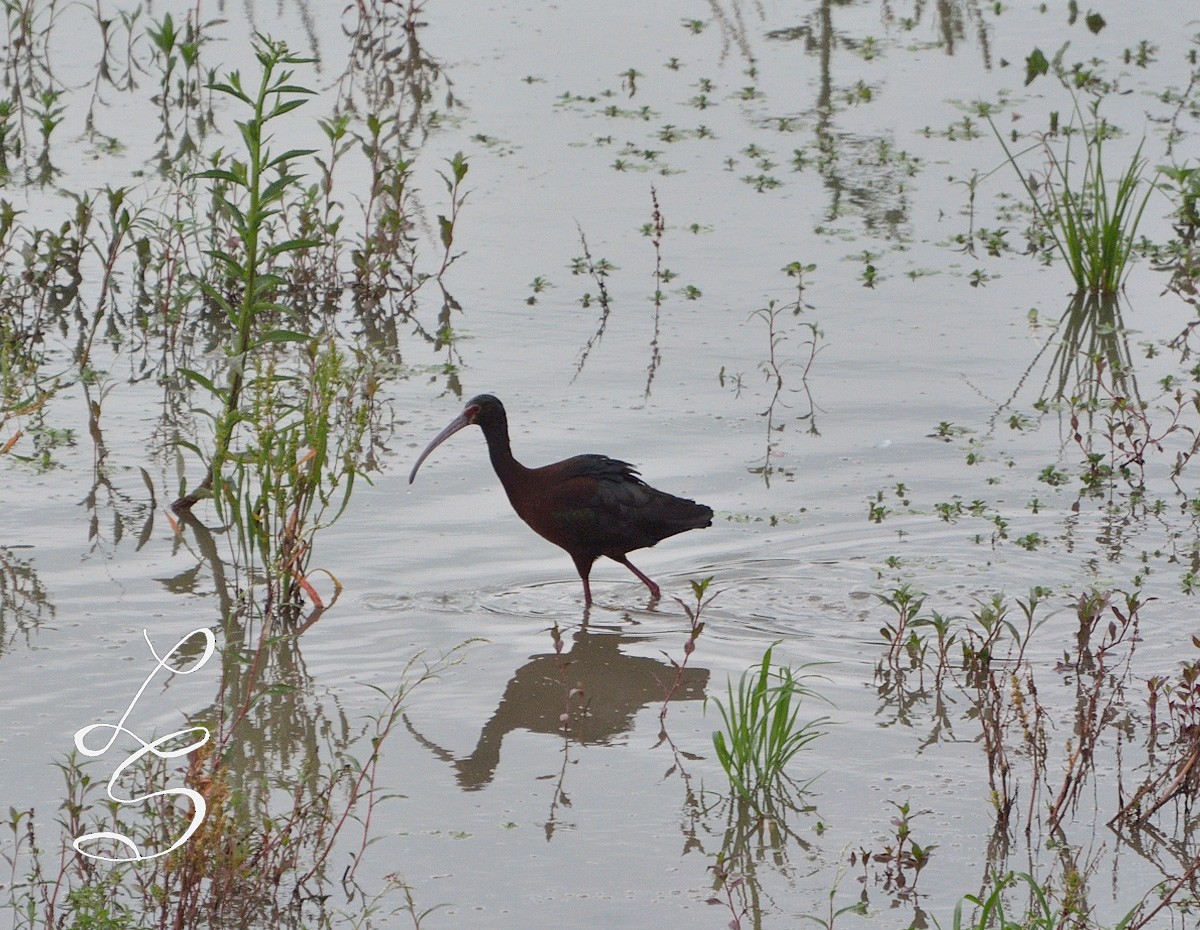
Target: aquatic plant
[[262, 849], [731, 887], [1172, 746], [899, 863], [1042, 912], [252, 307], [699, 589], [655, 231], [907, 603], [762, 729], [1092, 227], [1182, 184], [288, 427], [175, 52]]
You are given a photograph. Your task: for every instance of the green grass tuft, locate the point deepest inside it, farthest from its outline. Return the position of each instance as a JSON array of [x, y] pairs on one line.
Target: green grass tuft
[[762, 729], [1092, 221]]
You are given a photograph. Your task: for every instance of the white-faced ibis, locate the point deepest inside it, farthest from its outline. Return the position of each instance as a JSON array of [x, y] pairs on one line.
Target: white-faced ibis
[[590, 505]]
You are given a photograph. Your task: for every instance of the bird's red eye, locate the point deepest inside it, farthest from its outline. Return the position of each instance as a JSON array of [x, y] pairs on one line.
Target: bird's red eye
[[471, 412]]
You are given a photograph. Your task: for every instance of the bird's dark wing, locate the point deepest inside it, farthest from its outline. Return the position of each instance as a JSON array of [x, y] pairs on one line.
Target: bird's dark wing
[[601, 467], [607, 506]]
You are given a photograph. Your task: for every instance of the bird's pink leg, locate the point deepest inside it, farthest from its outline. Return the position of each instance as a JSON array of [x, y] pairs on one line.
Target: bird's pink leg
[[584, 566], [655, 592]]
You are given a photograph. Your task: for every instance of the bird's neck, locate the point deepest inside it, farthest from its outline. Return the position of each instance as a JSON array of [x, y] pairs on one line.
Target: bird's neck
[[508, 469]]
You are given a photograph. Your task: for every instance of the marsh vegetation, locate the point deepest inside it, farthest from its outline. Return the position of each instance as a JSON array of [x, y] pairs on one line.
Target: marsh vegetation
[[930, 356]]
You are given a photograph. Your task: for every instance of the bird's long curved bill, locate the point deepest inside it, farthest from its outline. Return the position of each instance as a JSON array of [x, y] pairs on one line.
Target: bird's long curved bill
[[460, 422]]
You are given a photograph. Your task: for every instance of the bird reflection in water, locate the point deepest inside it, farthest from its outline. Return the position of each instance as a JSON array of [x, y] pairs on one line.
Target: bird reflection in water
[[615, 687]]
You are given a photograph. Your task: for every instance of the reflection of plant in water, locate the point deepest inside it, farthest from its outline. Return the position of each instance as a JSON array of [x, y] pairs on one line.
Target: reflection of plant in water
[[127, 513], [39, 280], [32, 92], [1105, 640], [1181, 258], [754, 834], [111, 232], [1091, 375], [1181, 184], [730, 885], [573, 694], [598, 270], [386, 240], [773, 366], [447, 224], [1018, 736], [1003, 694], [655, 232], [395, 78], [1130, 436], [1176, 735], [24, 602], [865, 176], [1090, 339], [282, 784], [176, 55], [390, 97]]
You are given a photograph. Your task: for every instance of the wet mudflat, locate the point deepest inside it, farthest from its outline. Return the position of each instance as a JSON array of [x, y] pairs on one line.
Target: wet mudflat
[[776, 257]]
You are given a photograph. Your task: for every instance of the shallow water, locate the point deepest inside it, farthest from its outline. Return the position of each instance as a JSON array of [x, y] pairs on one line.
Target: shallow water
[[498, 815]]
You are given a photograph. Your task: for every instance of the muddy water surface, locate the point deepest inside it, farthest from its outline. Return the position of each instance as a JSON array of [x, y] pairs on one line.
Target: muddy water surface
[[830, 429]]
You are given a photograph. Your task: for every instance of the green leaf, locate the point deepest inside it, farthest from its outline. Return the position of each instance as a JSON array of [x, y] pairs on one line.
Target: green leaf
[[292, 89], [277, 187], [192, 375], [459, 167], [1035, 66], [251, 135], [190, 446], [233, 88], [290, 155], [286, 107], [291, 245], [267, 281], [217, 174], [225, 258]]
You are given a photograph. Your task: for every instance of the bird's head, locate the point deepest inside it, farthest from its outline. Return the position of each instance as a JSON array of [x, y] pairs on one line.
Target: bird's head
[[484, 410]]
